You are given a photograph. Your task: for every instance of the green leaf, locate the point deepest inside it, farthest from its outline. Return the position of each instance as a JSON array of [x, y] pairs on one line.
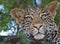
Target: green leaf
[[46, 2], [47, 42], [57, 18]]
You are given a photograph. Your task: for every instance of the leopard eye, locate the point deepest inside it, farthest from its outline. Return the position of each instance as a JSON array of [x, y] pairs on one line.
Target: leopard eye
[[32, 13], [35, 27]]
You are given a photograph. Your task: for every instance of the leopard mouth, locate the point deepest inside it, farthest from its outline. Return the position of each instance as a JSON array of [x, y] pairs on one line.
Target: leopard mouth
[[39, 36]]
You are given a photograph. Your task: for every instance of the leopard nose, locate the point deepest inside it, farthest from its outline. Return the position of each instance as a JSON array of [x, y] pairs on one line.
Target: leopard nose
[[38, 25]]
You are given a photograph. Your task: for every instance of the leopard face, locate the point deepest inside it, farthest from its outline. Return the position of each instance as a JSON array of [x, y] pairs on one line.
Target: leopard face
[[35, 20]]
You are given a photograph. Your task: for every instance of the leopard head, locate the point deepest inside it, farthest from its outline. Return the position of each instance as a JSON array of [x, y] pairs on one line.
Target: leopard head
[[37, 27]]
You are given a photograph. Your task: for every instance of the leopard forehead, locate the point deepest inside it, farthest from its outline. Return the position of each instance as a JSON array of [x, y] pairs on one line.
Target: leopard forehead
[[34, 11], [39, 12]]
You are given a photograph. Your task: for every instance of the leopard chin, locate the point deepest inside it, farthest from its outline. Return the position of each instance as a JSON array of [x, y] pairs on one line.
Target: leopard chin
[[39, 36]]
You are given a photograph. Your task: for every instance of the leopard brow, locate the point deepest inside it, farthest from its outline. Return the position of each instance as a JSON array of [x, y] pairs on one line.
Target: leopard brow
[[45, 12]]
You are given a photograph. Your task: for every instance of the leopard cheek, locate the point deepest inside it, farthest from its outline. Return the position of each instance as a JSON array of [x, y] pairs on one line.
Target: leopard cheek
[[34, 31], [41, 30]]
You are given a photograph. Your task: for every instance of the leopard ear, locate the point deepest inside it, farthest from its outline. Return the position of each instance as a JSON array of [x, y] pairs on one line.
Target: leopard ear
[[17, 13], [52, 7]]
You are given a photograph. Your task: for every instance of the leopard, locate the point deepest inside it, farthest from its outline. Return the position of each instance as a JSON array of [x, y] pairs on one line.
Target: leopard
[[37, 23]]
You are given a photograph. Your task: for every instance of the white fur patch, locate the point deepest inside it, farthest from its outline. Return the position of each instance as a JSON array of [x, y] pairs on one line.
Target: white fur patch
[[39, 36]]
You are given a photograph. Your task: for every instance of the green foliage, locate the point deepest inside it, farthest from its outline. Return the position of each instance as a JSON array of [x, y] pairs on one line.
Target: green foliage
[[45, 2], [4, 20], [57, 19], [47, 42], [23, 38], [58, 0]]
